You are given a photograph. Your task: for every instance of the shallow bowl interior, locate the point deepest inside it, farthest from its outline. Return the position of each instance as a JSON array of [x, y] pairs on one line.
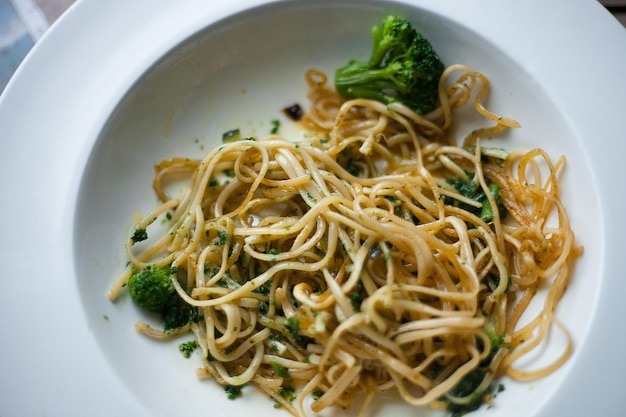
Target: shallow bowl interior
[[240, 72]]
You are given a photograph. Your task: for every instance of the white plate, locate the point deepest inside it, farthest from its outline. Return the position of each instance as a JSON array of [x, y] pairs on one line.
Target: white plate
[[101, 98]]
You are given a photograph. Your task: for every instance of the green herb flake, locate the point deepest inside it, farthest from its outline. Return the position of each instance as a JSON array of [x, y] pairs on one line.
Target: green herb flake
[[139, 234], [317, 394], [356, 298], [223, 236], [187, 348], [294, 328], [280, 371], [288, 393], [275, 126], [233, 392]]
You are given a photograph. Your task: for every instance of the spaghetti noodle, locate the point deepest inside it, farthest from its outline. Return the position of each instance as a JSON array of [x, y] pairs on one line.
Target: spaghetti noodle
[[353, 263]]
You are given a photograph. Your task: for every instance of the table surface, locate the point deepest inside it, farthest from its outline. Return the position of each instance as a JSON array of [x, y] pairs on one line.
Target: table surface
[[23, 22]]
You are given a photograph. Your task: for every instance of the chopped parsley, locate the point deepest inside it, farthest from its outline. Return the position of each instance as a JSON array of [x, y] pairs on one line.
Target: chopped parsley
[[294, 329], [233, 392], [223, 236], [473, 191], [287, 392], [275, 126], [187, 348], [280, 371], [139, 234], [317, 394]]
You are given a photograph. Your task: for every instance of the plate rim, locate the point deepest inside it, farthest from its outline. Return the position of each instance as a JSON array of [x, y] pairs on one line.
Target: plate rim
[[62, 33]]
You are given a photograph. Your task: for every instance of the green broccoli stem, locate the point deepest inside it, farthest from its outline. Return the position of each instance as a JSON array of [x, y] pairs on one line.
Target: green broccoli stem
[[360, 82]]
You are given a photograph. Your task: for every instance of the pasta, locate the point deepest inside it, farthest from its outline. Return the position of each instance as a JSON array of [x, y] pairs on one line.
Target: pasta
[[350, 263]]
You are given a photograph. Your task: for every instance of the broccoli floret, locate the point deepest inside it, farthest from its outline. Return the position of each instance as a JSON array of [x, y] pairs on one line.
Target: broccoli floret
[[152, 289], [403, 67]]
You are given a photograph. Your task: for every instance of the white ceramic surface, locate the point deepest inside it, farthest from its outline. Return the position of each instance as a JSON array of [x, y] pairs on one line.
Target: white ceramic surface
[[95, 105]]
